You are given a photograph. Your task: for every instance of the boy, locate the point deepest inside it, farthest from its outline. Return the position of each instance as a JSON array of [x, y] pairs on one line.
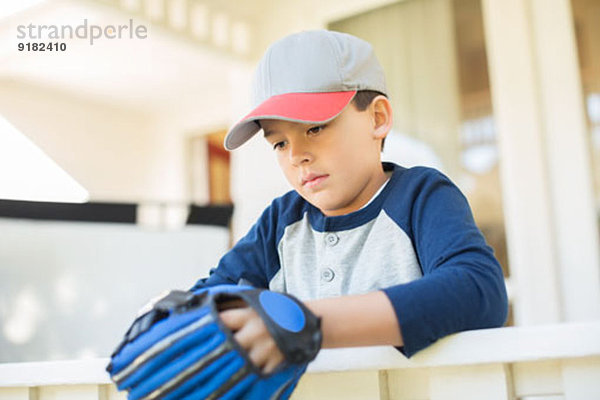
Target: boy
[[383, 254]]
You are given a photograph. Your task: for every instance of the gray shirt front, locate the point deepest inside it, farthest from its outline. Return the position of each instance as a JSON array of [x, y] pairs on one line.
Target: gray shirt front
[[317, 264]]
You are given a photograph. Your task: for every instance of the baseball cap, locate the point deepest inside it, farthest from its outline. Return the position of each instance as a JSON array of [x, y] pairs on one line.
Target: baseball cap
[[308, 77]]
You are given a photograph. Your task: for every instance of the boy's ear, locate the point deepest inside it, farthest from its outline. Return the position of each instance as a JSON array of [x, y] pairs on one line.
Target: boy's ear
[[381, 110]]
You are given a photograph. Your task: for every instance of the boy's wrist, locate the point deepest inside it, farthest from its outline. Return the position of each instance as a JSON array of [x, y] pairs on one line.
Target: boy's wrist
[[357, 320]]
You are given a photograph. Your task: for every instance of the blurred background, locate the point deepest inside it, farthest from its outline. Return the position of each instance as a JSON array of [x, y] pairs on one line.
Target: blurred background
[[115, 186]]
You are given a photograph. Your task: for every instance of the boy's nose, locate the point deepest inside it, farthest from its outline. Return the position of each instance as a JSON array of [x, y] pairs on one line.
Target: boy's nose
[[299, 154]]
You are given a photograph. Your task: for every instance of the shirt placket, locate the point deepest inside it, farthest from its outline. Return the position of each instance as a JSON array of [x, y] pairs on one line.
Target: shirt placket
[[329, 272]]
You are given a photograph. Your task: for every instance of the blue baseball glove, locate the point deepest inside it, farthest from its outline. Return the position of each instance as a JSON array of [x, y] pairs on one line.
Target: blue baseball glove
[[180, 349]]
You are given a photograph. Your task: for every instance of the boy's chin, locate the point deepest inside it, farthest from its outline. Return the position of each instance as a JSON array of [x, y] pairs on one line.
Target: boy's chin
[[327, 203], [330, 209], [322, 205]]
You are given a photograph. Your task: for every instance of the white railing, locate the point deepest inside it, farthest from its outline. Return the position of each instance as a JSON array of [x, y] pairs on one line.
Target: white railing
[[542, 362]]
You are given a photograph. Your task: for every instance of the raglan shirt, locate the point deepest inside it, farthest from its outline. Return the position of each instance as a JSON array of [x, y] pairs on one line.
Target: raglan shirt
[[416, 241]]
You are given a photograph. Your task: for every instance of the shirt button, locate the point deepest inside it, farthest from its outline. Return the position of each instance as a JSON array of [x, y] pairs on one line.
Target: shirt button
[[327, 275], [331, 239]]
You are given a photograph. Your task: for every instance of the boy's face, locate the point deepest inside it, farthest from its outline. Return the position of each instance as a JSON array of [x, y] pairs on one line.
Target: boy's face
[[335, 166]]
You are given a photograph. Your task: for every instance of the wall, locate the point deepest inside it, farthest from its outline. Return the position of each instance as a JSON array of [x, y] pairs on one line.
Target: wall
[[113, 152], [69, 290]]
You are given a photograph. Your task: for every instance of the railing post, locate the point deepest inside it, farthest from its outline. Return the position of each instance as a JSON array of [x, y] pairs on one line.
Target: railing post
[[74, 392], [19, 393], [581, 378], [347, 385], [408, 384], [492, 382], [384, 389]]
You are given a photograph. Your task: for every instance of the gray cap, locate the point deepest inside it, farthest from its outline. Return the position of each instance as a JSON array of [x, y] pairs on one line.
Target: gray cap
[[308, 77]]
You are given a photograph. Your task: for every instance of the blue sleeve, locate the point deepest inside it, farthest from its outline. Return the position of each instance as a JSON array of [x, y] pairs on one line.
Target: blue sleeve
[[252, 259], [462, 287]]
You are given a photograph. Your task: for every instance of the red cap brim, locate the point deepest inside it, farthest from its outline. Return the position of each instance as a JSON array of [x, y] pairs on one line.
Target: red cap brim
[[295, 107]]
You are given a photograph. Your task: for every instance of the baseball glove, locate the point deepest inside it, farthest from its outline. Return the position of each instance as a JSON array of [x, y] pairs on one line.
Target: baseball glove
[[180, 349]]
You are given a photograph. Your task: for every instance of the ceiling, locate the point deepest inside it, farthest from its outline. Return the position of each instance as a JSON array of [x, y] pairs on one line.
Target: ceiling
[[162, 71]]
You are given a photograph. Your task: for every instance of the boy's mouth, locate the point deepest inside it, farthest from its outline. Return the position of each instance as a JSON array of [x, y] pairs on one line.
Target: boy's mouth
[[311, 180]]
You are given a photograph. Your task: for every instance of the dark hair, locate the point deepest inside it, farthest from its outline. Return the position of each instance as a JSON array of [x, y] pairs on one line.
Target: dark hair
[[363, 98]]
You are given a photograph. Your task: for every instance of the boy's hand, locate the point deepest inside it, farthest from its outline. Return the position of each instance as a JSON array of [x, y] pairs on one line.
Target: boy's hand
[[182, 346], [252, 334]]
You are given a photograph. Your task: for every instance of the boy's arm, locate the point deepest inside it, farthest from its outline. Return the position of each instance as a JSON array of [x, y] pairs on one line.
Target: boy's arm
[[358, 320], [462, 287]]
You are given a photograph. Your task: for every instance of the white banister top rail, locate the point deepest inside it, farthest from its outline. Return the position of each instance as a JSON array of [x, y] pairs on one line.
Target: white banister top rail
[[501, 345]]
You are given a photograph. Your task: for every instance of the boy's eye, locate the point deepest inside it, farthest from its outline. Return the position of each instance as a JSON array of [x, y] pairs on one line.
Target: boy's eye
[[316, 129], [278, 145]]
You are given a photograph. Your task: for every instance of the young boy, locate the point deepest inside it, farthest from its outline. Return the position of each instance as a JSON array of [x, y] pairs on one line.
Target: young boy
[[383, 254]]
